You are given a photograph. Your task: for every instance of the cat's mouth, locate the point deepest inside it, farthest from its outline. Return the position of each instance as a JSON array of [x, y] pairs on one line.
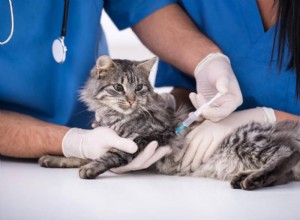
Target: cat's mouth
[[128, 108]]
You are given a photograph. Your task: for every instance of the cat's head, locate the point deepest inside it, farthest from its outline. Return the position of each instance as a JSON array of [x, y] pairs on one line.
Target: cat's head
[[121, 85]]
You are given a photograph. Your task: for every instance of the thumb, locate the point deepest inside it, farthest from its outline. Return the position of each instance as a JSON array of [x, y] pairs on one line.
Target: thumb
[[126, 145], [197, 99], [222, 84]]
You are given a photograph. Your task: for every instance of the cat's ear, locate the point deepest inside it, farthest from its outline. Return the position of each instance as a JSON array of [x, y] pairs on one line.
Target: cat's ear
[[103, 64], [147, 65]]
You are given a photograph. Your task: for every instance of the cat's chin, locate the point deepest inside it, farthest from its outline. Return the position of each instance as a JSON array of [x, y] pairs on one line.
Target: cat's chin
[[127, 111]]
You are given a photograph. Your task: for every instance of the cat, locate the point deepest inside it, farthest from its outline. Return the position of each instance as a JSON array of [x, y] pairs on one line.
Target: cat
[[119, 93]]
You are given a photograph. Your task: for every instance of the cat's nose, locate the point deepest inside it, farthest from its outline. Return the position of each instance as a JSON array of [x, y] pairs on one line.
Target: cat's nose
[[130, 101]]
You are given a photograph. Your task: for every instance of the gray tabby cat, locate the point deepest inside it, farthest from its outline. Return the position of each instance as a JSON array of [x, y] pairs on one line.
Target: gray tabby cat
[[118, 91]]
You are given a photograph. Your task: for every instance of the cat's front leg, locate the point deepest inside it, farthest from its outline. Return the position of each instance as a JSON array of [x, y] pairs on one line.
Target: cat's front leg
[[111, 159], [92, 170], [62, 162]]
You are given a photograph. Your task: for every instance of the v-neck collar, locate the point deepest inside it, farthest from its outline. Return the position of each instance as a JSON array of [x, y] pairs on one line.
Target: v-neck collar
[[253, 20]]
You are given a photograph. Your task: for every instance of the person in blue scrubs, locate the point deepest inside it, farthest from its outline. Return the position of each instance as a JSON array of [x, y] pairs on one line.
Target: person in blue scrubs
[[243, 31], [39, 108]]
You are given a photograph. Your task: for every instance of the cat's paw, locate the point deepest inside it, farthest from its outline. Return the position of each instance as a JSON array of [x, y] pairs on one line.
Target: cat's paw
[[91, 170], [250, 180], [237, 180], [258, 180], [46, 161], [87, 173]]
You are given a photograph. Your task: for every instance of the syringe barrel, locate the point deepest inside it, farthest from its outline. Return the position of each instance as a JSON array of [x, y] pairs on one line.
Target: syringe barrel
[[187, 122]]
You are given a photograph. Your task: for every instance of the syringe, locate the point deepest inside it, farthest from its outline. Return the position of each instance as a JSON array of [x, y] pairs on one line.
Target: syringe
[[193, 116]]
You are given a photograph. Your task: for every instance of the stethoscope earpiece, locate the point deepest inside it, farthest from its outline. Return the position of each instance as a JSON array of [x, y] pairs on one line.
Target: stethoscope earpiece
[[59, 49]]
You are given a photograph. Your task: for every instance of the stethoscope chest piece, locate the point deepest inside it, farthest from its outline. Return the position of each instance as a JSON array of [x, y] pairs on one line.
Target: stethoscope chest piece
[[59, 50]]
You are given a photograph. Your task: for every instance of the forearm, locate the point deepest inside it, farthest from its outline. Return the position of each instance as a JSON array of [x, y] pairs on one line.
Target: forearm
[[27, 137], [173, 36], [282, 116]]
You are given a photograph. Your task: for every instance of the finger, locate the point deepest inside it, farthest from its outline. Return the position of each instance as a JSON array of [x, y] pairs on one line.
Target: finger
[[190, 152], [97, 117], [125, 144], [197, 99], [120, 170], [159, 153], [192, 134], [222, 84], [137, 162], [202, 149], [216, 114], [212, 149], [193, 99]]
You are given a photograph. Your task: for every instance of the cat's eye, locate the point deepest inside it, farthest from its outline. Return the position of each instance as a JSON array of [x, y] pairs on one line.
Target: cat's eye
[[119, 87], [139, 87]]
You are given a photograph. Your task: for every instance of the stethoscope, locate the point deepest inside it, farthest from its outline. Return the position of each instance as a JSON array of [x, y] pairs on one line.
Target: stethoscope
[[59, 49]]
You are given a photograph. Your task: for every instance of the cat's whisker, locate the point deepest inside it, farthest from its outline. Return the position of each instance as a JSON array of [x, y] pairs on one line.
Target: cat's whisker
[[76, 114], [145, 110], [141, 111]]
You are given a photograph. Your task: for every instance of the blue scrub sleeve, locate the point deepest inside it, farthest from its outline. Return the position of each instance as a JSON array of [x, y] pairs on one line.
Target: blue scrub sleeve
[[168, 75], [126, 13]]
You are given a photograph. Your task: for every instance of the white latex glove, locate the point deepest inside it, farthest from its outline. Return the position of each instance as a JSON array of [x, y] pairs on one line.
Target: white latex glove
[[91, 144], [205, 139], [145, 159], [214, 74]]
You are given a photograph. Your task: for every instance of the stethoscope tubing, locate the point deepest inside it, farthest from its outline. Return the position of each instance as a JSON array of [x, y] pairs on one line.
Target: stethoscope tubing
[[65, 19], [12, 24]]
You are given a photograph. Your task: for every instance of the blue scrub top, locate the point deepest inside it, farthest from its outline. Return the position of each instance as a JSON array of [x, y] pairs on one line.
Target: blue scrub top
[[236, 27], [31, 82]]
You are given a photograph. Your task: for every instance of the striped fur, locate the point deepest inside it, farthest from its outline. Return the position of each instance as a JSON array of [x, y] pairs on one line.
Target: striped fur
[[254, 156]]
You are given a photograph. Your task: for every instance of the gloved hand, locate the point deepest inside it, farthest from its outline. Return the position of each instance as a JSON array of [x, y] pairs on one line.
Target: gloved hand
[[214, 74], [91, 144], [205, 139], [145, 159]]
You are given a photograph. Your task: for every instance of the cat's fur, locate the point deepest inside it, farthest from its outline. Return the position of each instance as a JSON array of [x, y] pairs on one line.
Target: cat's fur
[[254, 156]]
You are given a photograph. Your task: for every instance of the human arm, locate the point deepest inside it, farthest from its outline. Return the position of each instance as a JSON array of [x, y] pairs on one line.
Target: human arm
[[172, 35], [26, 137], [283, 116], [23, 136]]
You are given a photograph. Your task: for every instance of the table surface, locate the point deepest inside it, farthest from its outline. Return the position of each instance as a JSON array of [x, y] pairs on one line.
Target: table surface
[[28, 191]]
